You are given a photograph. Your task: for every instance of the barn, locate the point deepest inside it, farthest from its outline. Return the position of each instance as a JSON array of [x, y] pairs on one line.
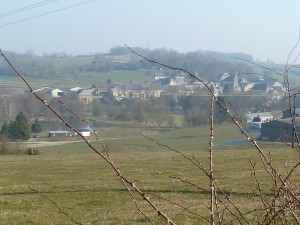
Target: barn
[[279, 130], [85, 132], [59, 134]]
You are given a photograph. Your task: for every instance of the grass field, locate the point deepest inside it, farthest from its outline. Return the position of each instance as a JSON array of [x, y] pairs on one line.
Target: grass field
[[85, 187], [73, 80]]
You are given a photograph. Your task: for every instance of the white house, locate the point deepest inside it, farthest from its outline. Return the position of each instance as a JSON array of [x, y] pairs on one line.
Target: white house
[[56, 93]]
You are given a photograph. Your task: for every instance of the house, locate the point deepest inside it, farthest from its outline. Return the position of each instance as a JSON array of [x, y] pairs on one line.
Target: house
[[216, 88], [231, 83], [248, 86], [161, 77], [59, 134], [273, 96], [279, 87], [224, 76], [261, 88], [57, 93], [279, 130], [136, 91], [178, 80], [86, 96], [76, 89]]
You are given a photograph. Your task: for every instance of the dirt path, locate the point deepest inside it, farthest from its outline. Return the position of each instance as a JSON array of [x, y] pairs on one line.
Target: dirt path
[[37, 144]]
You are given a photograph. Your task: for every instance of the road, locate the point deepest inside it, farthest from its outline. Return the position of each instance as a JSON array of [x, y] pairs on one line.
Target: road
[[37, 144]]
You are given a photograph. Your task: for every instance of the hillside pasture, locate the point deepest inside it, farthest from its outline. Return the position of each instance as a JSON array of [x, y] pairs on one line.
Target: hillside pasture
[[85, 187], [69, 80]]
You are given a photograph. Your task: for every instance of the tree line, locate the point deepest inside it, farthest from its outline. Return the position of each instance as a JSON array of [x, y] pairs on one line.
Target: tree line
[[208, 64], [20, 128], [161, 111]]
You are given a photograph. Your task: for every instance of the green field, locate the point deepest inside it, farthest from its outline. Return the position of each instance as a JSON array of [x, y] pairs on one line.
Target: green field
[[72, 80], [85, 187]]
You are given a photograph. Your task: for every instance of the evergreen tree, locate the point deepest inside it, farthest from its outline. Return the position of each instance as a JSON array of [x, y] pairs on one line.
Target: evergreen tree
[[4, 129], [22, 128], [19, 129], [36, 127]]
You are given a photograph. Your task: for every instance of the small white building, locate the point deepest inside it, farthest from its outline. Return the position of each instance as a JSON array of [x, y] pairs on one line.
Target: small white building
[[56, 93], [76, 89], [255, 120], [85, 132], [264, 116]]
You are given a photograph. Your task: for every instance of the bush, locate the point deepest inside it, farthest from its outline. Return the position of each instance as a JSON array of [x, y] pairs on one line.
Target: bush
[[9, 148]]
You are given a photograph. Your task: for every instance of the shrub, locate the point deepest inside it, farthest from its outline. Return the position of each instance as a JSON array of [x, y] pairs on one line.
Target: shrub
[[9, 148]]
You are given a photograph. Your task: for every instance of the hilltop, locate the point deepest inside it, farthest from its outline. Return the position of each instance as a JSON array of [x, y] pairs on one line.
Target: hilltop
[[207, 64]]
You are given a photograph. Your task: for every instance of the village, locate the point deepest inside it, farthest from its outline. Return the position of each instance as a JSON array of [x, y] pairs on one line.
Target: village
[[272, 125], [180, 85]]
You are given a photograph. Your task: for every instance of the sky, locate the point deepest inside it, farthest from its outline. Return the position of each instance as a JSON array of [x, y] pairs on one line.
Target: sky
[[266, 29]]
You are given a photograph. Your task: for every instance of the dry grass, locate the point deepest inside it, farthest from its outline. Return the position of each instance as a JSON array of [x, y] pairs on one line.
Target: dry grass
[[85, 187]]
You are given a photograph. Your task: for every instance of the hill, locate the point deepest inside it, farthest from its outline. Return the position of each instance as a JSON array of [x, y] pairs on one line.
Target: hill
[[119, 65]]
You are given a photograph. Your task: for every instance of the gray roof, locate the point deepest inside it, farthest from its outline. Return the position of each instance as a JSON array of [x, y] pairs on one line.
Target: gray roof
[[87, 92], [260, 114], [59, 132]]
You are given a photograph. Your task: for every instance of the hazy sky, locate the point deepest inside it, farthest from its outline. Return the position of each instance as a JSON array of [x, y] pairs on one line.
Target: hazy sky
[[267, 29]]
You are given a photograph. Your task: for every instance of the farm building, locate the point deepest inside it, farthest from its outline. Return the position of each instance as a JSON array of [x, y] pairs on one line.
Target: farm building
[[86, 96], [85, 132], [264, 116], [57, 93], [279, 130], [59, 134]]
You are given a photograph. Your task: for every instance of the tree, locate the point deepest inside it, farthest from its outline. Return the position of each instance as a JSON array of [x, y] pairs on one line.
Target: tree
[[97, 108], [19, 129], [36, 127], [195, 117], [22, 128], [5, 129], [226, 89], [220, 115], [171, 120]]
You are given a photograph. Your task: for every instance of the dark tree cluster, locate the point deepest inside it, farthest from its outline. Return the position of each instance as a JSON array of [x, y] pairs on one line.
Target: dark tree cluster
[[36, 127], [18, 129]]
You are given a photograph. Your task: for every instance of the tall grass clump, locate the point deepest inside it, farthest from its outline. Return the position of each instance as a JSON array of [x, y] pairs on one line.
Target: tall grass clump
[[10, 148]]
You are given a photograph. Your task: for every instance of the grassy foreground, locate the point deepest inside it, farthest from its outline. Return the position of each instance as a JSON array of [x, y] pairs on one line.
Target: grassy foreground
[[85, 187]]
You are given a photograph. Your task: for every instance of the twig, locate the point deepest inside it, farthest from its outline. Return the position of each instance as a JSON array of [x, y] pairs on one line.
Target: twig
[[196, 163], [211, 173], [184, 208], [60, 210]]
